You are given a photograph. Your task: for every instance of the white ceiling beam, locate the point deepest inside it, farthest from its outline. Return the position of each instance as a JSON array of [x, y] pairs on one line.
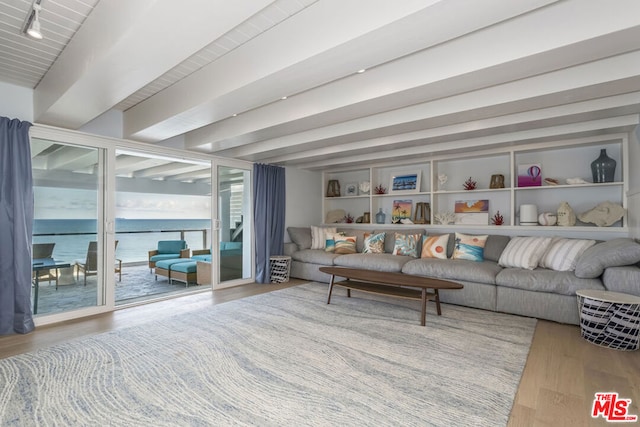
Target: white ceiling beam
[[609, 125], [583, 82], [522, 54], [292, 57], [563, 114], [120, 49]]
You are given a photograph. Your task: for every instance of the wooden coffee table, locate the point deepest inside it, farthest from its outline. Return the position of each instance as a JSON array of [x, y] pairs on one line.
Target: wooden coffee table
[[393, 284]]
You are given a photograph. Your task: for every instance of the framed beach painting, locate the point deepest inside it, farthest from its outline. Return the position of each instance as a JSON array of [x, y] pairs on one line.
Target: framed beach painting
[[405, 183], [401, 210]]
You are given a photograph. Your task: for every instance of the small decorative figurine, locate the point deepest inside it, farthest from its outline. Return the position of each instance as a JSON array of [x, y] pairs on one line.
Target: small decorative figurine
[[444, 218], [348, 218], [380, 189], [497, 219], [442, 180], [470, 184]]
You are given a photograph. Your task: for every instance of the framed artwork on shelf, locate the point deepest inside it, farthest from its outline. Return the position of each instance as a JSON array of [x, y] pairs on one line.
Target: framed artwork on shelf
[[351, 189], [529, 175], [405, 183], [466, 206], [401, 210]]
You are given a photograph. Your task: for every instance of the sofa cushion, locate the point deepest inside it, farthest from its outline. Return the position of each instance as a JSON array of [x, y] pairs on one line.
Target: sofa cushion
[[563, 254], [160, 257], [495, 246], [314, 256], [318, 236], [434, 246], [407, 244], [373, 243], [359, 235], [168, 264], [452, 269], [524, 252], [185, 267], [544, 280], [469, 247], [301, 236], [171, 246], [204, 257], [622, 279], [345, 244], [390, 241], [376, 262], [612, 253]]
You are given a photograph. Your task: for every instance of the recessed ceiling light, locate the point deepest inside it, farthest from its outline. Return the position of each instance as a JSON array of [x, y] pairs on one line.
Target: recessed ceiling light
[[362, 70], [234, 115], [284, 97]]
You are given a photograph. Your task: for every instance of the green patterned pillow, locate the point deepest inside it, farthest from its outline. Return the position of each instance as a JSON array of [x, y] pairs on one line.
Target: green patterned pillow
[[373, 243], [407, 244]]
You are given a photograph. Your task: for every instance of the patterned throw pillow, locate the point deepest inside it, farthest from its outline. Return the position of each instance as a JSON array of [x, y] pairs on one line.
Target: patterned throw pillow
[[407, 244], [563, 254], [524, 252], [435, 246], [469, 247], [345, 244], [330, 242], [373, 243], [318, 237]]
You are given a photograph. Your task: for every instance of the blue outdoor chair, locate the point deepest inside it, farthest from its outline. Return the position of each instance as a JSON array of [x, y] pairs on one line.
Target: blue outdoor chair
[[168, 249]]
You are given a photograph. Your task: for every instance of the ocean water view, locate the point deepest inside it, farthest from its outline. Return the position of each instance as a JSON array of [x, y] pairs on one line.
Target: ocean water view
[[136, 237]]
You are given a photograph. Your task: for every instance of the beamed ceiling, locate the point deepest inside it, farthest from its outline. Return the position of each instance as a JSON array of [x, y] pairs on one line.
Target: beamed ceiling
[[448, 76]]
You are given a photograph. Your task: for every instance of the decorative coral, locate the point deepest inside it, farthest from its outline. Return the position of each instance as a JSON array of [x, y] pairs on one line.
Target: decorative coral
[[470, 184], [380, 189], [444, 218], [348, 218], [497, 219]]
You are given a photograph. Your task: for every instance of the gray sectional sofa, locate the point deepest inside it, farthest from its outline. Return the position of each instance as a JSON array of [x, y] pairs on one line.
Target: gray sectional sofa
[[542, 293]]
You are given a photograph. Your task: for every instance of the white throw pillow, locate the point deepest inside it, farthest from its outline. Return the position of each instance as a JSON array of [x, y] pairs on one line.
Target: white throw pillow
[[318, 236], [524, 252], [563, 254]]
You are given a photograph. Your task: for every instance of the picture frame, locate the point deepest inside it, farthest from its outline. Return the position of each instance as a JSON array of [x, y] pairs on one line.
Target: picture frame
[[405, 183], [401, 210], [351, 189], [530, 175]]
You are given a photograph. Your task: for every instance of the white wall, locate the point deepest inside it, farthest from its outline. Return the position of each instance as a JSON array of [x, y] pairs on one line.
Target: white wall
[[304, 207], [633, 199], [16, 102]]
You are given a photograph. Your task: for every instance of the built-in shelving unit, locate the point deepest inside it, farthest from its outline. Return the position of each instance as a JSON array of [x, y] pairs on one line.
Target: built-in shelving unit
[[560, 160]]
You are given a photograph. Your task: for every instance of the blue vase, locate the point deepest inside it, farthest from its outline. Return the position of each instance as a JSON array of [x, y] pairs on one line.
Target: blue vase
[[603, 168], [380, 217]]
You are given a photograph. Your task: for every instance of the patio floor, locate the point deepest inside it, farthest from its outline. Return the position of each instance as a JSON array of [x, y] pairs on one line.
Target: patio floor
[[137, 284]]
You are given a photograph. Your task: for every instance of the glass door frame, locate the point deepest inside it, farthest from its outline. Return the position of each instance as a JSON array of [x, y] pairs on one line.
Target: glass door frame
[[106, 242], [215, 223]]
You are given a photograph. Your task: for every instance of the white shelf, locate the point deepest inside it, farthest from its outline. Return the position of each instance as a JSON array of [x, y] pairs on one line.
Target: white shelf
[[570, 186], [557, 159], [477, 190]]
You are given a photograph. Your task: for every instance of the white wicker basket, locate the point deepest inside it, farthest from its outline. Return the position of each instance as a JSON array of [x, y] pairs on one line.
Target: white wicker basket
[[280, 267]]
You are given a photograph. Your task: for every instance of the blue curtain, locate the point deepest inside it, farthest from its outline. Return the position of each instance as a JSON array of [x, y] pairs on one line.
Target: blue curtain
[[269, 215], [16, 227]]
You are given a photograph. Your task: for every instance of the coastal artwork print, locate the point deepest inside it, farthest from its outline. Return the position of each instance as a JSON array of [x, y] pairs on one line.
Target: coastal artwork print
[[472, 212], [401, 210], [405, 183], [529, 175]]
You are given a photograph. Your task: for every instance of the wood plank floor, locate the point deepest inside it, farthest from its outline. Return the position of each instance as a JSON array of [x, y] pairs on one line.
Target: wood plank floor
[[562, 374]]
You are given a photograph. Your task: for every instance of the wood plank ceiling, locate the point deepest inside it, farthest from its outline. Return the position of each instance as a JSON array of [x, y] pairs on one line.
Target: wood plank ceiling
[[447, 76]]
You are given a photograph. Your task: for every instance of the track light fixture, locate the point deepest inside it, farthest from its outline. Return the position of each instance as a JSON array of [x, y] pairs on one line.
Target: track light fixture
[[32, 23]]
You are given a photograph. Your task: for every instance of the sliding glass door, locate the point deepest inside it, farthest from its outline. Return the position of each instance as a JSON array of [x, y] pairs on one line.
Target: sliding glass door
[[68, 235], [235, 225], [162, 212]]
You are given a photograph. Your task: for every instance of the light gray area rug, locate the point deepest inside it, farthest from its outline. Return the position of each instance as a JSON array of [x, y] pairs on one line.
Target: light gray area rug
[[284, 358]]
